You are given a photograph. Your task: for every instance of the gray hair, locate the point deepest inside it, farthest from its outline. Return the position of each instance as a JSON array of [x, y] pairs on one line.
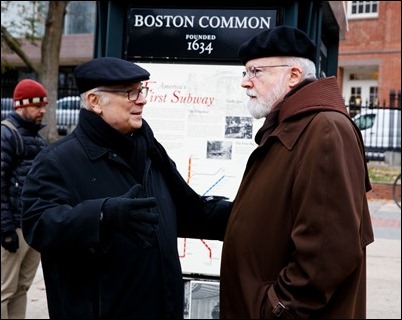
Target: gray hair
[[307, 66], [83, 98]]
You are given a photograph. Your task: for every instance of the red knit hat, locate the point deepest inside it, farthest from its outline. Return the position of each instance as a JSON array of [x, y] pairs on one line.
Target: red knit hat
[[29, 93]]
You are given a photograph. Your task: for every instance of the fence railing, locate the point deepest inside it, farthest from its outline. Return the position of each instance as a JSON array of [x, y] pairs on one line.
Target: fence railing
[[67, 111], [380, 128]]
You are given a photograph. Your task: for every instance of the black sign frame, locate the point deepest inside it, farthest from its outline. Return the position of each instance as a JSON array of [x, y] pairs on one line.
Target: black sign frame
[[193, 35]]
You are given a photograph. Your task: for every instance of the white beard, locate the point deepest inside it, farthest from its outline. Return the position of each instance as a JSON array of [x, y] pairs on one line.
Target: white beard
[[261, 106]]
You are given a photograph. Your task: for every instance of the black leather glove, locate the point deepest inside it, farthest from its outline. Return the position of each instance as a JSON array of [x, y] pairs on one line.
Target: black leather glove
[[129, 214], [218, 209], [9, 241], [210, 202]]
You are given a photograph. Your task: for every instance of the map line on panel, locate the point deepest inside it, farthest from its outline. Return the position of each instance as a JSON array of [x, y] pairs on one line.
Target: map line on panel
[[190, 174], [183, 255], [189, 170], [211, 187]]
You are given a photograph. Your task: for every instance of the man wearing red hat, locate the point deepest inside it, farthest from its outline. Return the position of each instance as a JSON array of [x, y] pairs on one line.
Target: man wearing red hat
[[20, 143]]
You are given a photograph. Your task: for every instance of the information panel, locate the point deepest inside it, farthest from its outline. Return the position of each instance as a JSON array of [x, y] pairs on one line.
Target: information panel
[[199, 114]]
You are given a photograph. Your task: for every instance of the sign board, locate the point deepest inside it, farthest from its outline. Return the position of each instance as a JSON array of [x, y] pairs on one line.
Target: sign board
[[199, 114], [193, 34], [201, 299]]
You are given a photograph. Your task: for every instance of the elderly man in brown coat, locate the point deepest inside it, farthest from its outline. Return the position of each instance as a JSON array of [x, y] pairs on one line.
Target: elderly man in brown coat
[[295, 244]]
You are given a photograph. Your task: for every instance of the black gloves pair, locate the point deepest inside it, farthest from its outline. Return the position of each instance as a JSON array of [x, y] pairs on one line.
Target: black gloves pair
[[129, 215], [9, 241]]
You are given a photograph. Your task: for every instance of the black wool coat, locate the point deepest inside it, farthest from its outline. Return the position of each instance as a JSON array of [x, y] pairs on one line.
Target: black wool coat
[[91, 271]]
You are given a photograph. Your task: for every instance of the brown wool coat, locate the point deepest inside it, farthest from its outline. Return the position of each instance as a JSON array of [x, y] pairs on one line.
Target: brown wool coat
[[300, 222]]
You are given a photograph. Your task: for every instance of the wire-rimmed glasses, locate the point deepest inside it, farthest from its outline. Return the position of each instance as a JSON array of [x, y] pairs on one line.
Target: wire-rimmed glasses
[[252, 72], [132, 94]]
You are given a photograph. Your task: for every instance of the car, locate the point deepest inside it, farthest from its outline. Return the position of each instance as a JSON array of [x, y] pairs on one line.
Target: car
[[67, 111], [381, 130], [6, 107]]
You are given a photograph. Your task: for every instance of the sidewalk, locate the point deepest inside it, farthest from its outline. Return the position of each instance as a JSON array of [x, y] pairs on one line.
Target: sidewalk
[[37, 304], [384, 262], [384, 279], [383, 268]]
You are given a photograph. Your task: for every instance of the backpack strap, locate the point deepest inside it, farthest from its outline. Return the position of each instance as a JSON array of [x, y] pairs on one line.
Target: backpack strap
[[16, 135]]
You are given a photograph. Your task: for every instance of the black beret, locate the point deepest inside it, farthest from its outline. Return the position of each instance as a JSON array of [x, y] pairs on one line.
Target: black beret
[[107, 71], [278, 42]]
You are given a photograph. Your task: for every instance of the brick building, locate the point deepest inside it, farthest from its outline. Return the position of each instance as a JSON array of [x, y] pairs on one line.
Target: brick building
[[370, 55]]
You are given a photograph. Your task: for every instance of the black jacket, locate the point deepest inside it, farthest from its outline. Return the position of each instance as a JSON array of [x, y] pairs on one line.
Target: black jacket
[[62, 200], [14, 167]]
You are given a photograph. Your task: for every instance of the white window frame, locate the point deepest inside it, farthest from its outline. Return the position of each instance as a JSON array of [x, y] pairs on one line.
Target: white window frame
[[363, 15]]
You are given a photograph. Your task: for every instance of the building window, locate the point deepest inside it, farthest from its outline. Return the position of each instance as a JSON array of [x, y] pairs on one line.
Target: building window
[[80, 17], [362, 9], [24, 18], [374, 97], [364, 74], [355, 99]]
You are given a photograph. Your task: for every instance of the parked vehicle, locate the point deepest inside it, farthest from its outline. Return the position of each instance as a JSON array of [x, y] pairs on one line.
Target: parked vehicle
[[6, 107], [381, 131], [67, 111]]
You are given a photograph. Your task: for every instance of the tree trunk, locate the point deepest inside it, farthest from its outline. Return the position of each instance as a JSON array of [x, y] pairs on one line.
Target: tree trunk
[[49, 74]]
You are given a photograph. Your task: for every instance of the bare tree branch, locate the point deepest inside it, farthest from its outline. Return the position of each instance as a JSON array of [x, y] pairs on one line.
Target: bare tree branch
[[48, 71], [15, 46]]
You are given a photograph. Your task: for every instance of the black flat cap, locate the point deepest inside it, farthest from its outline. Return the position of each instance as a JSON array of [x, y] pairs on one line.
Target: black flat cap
[[278, 42], [107, 71]]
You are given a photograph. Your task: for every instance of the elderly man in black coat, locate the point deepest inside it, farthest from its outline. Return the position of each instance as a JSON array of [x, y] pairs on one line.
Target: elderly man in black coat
[[104, 206]]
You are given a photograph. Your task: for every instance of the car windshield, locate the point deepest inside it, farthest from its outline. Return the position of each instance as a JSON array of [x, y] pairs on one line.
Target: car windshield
[[365, 121]]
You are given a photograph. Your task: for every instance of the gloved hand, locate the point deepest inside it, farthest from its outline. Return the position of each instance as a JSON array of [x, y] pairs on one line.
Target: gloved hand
[[211, 202], [213, 198], [128, 214], [9, 241], [217, 209]]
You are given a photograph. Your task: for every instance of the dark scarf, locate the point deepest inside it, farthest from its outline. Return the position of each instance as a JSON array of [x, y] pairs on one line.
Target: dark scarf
[[133, 148]]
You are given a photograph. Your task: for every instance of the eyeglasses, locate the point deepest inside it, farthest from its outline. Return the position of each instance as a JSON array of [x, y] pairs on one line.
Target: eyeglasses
[[253, 71], [132, 94]]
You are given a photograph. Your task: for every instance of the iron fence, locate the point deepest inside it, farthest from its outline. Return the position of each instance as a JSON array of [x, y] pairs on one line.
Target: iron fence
[[67, 111], [380, 126]]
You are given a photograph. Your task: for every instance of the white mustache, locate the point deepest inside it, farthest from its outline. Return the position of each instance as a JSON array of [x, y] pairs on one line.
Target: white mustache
[[251, 93]]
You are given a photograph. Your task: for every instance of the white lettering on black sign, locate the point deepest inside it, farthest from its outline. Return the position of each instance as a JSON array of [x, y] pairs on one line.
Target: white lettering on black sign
[[193, 34], [203, 22]]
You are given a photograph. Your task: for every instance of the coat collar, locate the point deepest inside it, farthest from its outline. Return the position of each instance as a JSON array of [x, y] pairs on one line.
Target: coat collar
[[25, 123], [302, 103], [98, 138]]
